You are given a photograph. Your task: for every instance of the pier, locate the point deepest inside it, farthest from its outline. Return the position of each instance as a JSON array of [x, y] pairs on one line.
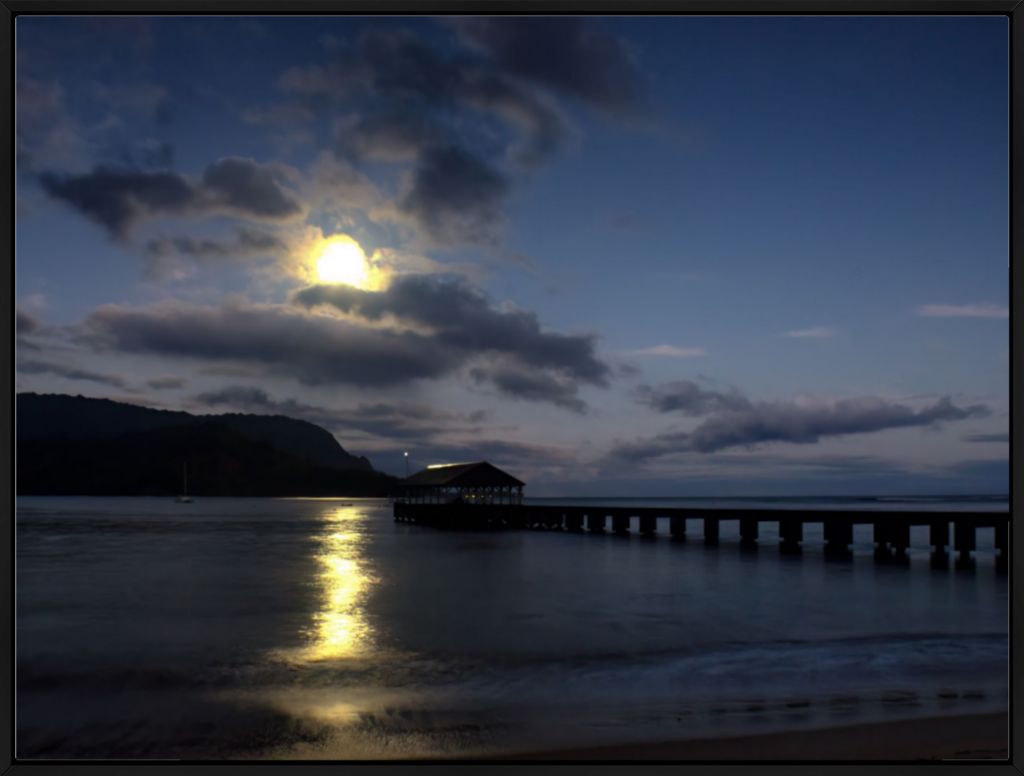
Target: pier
[[480, 496], [949, 533]]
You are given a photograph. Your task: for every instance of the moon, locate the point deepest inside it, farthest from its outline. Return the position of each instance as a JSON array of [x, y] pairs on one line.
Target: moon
[[341, 260]]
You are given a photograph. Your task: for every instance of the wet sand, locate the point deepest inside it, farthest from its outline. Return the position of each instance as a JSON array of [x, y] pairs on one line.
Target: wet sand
[[966, 737]]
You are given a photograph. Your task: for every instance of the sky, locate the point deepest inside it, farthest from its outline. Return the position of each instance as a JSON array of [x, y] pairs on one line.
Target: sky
[[616, 256]]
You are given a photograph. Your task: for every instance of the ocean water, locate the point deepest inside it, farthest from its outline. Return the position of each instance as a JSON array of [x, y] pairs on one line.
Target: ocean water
[[293, 628]]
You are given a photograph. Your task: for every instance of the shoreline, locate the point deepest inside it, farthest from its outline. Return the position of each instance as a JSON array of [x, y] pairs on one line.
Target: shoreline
[[960, 737]]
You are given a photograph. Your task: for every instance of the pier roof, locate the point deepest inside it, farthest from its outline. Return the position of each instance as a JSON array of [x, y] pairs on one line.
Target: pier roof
[[466, 475]]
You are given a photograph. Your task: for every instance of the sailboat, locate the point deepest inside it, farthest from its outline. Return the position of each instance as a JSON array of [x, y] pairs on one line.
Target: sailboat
[[184, 498]]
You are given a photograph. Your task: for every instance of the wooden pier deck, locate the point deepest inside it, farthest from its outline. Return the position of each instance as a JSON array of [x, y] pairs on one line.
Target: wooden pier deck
[[890, 528]]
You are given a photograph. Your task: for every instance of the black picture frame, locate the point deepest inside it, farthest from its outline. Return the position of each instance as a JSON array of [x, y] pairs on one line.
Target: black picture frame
[[11, 9]]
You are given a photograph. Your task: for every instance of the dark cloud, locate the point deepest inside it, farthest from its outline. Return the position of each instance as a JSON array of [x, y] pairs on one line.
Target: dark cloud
[[166, 383], [461, 317], [788, 422], [443, 325], [246, 242], [416, 89], [529, 384], [408, 102], [735, 421], [247, 188], [455, 197], [70, 372], [542, 127], [569, 55], [690, 399], [313, 349], [118, 198], [171, 257], [26, 324]]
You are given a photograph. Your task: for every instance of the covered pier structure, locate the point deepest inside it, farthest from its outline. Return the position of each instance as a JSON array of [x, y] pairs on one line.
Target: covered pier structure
[[478, 483]]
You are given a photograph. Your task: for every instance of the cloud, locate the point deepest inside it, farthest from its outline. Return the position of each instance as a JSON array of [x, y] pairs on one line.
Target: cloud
[[462, 318], [246, 242], [1002, 436], [318, 349], [439, 114], [277, 339], [430, 434], [670, 351], [395, 132], [119, 198], [543, 127], [24, 323], [787, 422], [174, 257], [454, 197], [688, 398], [402, 127], [70, 372], [963, 311], [409, 422], [244, 187], [411, 97], [522, 382], [570, 55], [813, 332], [735, 421]]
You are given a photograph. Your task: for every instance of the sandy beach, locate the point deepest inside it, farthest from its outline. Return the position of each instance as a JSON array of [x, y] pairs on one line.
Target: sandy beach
[[966, 737]]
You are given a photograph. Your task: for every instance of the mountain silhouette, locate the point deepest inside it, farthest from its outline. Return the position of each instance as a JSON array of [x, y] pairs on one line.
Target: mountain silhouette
[[73, 445]]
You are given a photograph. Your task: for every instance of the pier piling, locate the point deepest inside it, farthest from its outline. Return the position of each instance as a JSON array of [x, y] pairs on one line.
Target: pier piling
[[710, 530], [899, 541], [620, 524], [748, 531], [965, 538], [883, 552], [838, 538], [938, 536], [648, 524], [791, 533], [677, 527], [595, 522]]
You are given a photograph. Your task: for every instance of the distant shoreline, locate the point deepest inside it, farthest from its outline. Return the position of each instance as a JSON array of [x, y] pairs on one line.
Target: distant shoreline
[[961, 737]]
